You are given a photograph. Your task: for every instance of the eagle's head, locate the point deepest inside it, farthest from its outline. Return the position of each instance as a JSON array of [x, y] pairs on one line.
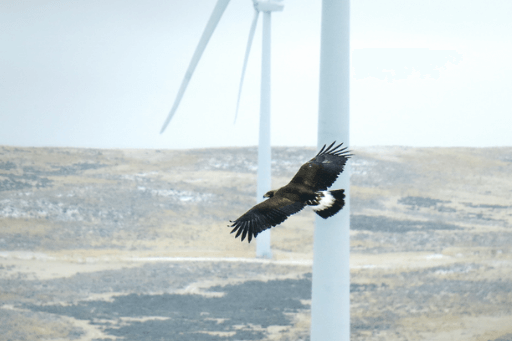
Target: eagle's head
[[269, 194]]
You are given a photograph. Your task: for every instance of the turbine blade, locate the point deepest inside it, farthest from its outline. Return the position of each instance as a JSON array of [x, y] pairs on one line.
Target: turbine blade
[[246, 58], [207, 33]]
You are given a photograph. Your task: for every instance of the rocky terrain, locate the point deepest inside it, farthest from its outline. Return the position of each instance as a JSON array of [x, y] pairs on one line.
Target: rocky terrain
[[133, 245]]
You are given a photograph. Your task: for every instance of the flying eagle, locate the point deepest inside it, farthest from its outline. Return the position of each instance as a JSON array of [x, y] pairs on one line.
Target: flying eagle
[[308, 187]]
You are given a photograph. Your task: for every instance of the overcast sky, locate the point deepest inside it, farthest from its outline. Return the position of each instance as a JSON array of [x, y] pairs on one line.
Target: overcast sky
[[104, 74]]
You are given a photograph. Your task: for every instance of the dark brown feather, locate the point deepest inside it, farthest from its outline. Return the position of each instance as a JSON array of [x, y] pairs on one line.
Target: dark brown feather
[[265, 215], [320, 172]]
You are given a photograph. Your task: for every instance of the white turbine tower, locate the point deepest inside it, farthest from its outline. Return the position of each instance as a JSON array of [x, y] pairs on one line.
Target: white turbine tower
[[264, 179], [330, 299]]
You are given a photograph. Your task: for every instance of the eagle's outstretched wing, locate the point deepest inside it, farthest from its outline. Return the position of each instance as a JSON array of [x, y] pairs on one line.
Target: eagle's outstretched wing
[[320, 172], [265, 215]]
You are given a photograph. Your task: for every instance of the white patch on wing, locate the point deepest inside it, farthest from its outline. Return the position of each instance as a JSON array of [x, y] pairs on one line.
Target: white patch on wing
[[325, 202]]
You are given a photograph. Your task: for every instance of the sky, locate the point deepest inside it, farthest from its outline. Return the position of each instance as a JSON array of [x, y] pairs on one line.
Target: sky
[[104, 74]]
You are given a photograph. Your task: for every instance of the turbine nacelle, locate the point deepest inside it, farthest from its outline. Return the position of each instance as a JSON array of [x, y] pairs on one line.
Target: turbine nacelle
[[268, 6]]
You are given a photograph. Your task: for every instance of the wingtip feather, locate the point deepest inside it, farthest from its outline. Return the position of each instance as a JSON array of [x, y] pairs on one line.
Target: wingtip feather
[[329, 148], [249, 237], [321, 150], [240, 229], [336, 151]]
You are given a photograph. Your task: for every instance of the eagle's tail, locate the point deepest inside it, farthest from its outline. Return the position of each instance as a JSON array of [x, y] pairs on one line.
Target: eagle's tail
[[328, 203]]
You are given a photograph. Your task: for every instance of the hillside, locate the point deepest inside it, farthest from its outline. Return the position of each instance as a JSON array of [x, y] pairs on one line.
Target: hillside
[[104, 244]]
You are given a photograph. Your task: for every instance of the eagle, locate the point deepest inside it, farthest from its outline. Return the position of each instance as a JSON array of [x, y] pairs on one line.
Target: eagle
[[307, 188]]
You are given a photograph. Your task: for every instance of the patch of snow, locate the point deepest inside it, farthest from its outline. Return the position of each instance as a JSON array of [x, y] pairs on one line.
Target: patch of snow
[[177, 194], [25, 255], [361, 166]]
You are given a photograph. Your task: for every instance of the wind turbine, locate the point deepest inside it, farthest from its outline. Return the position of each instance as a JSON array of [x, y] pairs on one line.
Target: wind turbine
[[330, 294], [263, 178]]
